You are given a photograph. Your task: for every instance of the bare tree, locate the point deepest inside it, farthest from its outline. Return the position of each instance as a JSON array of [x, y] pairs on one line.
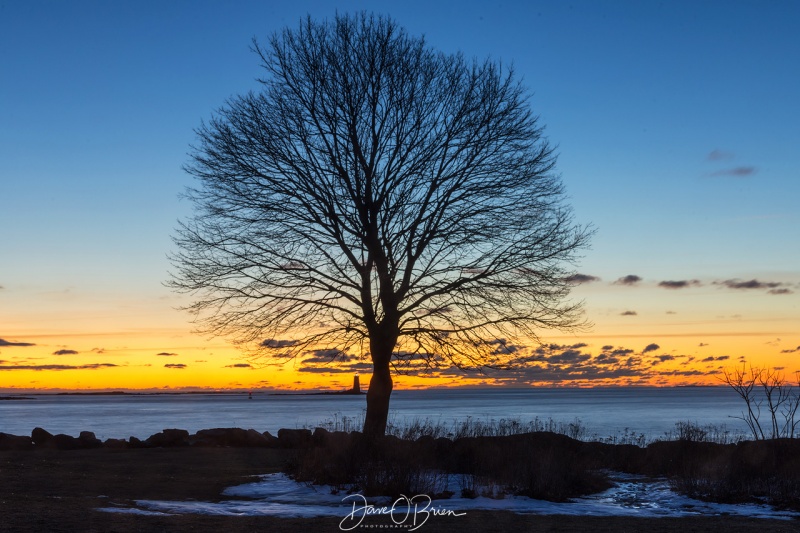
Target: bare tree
[[769, 388], [380, 198]]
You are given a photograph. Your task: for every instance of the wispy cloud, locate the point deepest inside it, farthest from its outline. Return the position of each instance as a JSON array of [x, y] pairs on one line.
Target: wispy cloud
[[239, 365], [628, 313], [4, 342], [93, 366], [65, 352], [278, 343], [577, 279], [780, 291], [711, 358], [630, 279], [166, 354], [650, 348], [680, 284], [720, 155], [179, 366], [736, 172], [775, 287]]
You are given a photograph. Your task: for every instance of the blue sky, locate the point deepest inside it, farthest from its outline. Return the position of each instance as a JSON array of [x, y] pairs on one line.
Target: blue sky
[[676, 122]]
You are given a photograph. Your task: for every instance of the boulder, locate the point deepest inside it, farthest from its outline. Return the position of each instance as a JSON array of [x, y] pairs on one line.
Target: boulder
[[320, 436], [116, 443], [271, 440], [168, 438], [294, 438], [133, 442], [88, 440], [66, 442], [40, 436], [256, 439], [15, 442], [235, 437]]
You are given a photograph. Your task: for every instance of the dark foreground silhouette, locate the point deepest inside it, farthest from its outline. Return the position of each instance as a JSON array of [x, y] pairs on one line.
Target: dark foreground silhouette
[[56, 483]]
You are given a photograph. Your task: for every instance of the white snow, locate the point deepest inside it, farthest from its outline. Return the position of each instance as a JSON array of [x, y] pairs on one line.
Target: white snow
[[278, 495]]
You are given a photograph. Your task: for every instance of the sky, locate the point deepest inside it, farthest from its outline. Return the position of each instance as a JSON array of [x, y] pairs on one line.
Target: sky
[[677, 132]]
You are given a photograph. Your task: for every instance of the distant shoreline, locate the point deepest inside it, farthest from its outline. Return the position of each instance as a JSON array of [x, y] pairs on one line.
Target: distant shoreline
[[8, 398], [11, 395], [27, 396]]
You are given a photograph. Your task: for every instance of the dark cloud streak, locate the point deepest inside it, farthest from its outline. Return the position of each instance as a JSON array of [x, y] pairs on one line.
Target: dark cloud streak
[[680, 284], [4, 342], [629, 280]]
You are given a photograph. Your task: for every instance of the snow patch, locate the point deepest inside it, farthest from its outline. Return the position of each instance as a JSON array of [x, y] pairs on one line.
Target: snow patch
[[278, 495]]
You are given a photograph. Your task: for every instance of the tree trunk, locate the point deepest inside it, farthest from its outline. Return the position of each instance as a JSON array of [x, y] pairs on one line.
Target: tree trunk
[[380, 389]]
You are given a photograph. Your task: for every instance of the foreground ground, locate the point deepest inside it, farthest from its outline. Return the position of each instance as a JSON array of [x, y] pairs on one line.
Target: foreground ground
[[60, 491]]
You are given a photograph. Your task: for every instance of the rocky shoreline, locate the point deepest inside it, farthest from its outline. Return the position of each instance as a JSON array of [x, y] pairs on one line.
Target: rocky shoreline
[[168, 438]]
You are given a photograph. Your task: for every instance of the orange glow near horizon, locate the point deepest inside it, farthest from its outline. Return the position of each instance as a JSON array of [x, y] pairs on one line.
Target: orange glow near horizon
[[165, 362], [123, 343]]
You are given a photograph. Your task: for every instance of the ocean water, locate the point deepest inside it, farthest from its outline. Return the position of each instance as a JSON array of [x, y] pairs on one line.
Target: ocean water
[[605, 412]]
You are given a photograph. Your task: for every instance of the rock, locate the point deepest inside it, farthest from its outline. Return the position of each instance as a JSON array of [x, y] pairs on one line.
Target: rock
[[320, 436], [116, 443], [15, 442], [271, 440], [294, 438], [235, 437], [256, 439], [133, 442], [66, 442], [88, 440], [333, 440], [40, 436], [168, 438]]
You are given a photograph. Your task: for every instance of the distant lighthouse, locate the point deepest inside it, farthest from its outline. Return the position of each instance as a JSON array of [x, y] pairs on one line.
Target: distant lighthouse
[[356, 384]]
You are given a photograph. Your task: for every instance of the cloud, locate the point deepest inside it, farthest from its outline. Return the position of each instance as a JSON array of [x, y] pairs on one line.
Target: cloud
[[503, 346], [751, 284], [349, 369], [629, 280], [180, 366], [278, 343], [719, 155], [702, 344], [581, 278], [622, 352], [240, 365], [569, 356], [98, 350], [711, 358], [650, 348], [65, 352], [628, 313], [663, 358], [682, 284], [791, 351], [780, 291], [4, 342], [93, 366], [738, 172], [328, 355], [166, 354]]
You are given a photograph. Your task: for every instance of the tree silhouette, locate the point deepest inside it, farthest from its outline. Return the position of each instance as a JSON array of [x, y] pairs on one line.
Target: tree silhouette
[[377, 198]]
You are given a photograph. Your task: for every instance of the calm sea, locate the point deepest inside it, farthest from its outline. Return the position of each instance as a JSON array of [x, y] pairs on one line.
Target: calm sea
[[604, 412]]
